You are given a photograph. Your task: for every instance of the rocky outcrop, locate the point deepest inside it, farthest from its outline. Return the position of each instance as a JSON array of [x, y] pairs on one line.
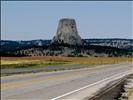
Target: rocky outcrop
[[67, 33]]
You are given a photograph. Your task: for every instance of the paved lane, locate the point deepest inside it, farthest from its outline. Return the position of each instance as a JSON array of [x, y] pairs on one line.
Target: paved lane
[[37, 69], [54, 84]]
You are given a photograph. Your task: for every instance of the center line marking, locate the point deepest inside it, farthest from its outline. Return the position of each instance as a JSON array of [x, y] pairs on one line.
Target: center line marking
[[56, 77]]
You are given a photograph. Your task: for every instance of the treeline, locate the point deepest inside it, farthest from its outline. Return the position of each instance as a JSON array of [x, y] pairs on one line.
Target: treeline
[[8, 45], [118, 43], [10, 54], [73, 51]]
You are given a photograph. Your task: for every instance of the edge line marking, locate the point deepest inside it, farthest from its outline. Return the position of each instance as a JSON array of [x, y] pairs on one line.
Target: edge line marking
[[88, 86]]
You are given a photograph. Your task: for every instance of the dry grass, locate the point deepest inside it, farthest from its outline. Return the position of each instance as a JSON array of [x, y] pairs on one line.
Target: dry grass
[[91, 60], [3, 62], [131, 91]]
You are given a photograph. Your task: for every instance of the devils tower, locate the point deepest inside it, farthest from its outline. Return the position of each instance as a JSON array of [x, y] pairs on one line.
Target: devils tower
[[67, 33]]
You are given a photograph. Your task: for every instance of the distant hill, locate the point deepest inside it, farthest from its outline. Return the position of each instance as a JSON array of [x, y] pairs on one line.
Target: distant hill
[[8, 45], [73, 51], [118, 43], [93, 48]]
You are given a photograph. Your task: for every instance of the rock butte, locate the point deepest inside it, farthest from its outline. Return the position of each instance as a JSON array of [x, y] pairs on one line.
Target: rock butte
[[67, 33]]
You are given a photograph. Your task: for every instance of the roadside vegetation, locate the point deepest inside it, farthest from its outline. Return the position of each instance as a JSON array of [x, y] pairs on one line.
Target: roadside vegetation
[[29, 62], [129, 95], [34, 62], [130, 91]]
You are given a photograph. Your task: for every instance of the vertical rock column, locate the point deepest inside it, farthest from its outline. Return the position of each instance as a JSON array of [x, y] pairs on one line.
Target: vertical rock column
[[67, 33]]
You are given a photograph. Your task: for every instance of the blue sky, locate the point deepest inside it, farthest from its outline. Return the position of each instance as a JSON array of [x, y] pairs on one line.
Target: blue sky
[[27, 20]]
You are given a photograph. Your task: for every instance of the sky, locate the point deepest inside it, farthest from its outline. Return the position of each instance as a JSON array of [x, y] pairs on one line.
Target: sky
[[30, 20]]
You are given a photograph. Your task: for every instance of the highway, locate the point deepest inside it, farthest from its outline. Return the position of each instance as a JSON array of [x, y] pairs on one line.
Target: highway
[[42, 68], [69, 84]]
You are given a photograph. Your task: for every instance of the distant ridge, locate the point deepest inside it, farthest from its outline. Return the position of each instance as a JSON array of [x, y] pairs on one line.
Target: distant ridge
[[7, 45], [93, 48]]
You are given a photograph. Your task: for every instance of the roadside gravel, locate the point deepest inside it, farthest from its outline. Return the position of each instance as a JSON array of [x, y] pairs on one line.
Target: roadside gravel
[[120, 92]]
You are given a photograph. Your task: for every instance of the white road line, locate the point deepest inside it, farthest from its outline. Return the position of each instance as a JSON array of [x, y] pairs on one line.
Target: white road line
[[88, 86]]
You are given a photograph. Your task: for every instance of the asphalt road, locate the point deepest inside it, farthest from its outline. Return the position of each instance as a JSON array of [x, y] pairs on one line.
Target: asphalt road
[[60, 84], [37, 69]]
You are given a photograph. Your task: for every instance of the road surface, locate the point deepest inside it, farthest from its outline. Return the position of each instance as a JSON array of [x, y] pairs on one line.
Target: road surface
[[70, 84], [44, 68]]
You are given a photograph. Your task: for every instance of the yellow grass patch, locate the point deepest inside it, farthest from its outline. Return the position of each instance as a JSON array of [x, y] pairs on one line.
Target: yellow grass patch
[[3, 62], [91, 60]]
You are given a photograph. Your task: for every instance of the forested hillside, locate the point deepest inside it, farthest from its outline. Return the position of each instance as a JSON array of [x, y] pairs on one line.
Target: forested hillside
[[7, 45], [73, 51], [93, 48]]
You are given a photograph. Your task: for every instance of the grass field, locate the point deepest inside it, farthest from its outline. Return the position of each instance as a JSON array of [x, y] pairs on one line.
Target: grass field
[[28, 62], [25, 62]]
